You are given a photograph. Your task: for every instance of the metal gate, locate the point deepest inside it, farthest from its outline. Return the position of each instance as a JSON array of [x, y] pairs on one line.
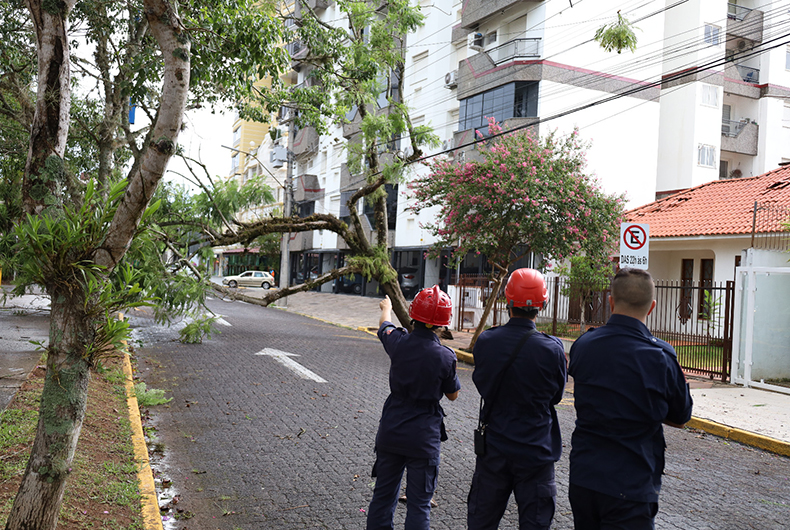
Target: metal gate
[[695, 317]]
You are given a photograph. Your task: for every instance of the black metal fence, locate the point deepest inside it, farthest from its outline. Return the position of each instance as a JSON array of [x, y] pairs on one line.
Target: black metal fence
[[695, 317]]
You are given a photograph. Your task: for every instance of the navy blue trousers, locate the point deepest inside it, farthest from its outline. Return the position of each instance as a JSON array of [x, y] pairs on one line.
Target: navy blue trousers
[[421, 476], [495, 478], [597, 511]]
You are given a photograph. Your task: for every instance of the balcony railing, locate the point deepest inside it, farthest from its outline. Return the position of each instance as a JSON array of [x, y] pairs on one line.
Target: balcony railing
[[731, 128], [514, 49], [748, 74], [736, 12]]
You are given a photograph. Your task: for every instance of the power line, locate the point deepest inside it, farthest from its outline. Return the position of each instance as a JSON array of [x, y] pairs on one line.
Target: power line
[[648, 85]]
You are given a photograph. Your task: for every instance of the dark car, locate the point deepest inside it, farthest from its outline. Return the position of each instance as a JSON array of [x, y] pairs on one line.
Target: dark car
[[350, 284]]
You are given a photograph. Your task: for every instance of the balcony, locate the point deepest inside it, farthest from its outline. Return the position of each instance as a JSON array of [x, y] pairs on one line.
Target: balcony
[[305, 142], [736, 12], [740, 136], [732, 128], [744, 23], [475, 11], [298, 53], [307, 189], [748, 74], [515, 49]]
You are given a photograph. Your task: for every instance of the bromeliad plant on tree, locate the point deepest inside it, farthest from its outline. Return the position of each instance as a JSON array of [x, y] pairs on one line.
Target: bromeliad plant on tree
[[527, 192]]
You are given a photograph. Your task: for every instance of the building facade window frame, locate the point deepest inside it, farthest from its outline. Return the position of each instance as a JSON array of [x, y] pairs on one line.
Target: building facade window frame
[[518, 99], [712, 34], [710, 95], [706, 155]]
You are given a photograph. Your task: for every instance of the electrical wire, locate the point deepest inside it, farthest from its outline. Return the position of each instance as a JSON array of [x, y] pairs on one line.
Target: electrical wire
[[697, 69]]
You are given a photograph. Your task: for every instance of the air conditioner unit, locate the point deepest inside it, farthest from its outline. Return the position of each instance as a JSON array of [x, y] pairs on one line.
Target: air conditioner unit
[[451, 79], [475, 41], [278, 156], [448, 144], [741, 44]]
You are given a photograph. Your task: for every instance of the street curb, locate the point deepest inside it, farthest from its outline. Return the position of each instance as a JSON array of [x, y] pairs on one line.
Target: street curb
[[149, 502], [738, 435]]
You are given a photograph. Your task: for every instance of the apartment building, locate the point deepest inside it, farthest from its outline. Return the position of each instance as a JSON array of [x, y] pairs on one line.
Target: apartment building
[[706, 95], [744, 81]]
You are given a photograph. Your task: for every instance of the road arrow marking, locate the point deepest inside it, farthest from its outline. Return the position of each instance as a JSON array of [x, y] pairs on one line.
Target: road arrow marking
[[222, 321], [284, 358]]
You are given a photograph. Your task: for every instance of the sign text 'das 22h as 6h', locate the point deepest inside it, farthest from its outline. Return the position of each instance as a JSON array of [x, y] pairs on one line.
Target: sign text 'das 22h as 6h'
[[634, 245]]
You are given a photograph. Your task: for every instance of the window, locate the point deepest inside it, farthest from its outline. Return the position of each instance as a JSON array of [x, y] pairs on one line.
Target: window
[[306, 209], [514, 100], [710, 95], [723, 169], [687, 291], [706, 302], [712, 34], [234, 162], [236, 135], [787, 58], [491, 38], [706, 155]]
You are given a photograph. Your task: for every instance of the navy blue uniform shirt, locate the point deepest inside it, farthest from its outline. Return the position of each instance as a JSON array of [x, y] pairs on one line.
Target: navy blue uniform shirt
[[421, 372], [625, 384], [522, 423]]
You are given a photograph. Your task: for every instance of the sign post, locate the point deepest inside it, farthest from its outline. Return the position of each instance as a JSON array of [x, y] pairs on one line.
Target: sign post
[[634, 245]]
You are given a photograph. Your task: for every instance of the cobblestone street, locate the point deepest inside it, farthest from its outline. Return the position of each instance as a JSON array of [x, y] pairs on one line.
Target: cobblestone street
[[249, 444]]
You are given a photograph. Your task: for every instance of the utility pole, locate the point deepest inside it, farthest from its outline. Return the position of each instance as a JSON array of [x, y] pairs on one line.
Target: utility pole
[[285, 262]]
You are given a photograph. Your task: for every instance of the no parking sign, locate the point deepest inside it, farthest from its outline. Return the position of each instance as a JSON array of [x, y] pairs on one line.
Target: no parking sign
[[634, 243]]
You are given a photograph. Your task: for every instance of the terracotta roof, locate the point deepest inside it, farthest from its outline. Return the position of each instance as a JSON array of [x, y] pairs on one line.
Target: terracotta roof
[[721, 207]]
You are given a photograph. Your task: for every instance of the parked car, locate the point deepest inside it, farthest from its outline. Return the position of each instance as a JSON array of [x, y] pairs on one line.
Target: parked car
[[250, 279], [346, 284], [409, 280]]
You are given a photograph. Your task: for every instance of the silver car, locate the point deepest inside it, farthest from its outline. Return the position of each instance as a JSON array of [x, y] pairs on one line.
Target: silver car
[[250, 279]]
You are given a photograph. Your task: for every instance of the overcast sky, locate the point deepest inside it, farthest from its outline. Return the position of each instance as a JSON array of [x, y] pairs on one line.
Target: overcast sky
[[202, 139]]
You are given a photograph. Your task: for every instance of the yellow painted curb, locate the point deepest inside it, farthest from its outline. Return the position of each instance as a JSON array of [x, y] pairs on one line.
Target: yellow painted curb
[[152, 519], [466, 357], [745, 437]]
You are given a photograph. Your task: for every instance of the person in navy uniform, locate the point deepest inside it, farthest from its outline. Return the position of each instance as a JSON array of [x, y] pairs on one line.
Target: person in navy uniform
[[412, 421], [522, 436], [626, 384]]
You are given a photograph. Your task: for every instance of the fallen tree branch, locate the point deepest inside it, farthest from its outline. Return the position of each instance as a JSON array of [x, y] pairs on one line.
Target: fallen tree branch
[[273, 296]]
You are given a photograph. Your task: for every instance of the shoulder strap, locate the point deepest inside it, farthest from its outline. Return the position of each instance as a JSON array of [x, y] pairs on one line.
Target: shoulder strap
[[483, 417]]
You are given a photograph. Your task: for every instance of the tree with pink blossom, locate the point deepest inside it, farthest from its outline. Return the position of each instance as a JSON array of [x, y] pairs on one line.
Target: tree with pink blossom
[[525, 194]]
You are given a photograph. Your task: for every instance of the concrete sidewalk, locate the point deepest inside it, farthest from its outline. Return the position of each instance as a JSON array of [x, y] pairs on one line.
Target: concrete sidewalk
[[748, 415]]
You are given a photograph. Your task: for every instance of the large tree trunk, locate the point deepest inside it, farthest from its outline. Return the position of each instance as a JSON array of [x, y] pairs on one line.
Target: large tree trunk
[[72, 329], [44, 171], [399, 304], [489, 306], [62, 410]]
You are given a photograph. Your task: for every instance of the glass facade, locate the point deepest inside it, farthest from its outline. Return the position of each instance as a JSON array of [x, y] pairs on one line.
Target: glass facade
[[513, 100]]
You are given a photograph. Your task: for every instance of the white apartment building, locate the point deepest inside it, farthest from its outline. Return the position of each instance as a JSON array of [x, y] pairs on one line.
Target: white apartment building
[[706, 95]]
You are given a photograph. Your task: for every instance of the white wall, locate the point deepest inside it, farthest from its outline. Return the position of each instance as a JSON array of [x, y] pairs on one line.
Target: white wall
[[666, 256], [623, 156]]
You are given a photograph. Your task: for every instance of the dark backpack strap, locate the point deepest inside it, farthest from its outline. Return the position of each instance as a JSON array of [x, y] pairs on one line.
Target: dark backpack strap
[[483, 416]]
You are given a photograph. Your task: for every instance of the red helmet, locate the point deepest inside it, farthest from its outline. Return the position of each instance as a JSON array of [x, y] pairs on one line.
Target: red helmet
[[432, 306], [526, 288]]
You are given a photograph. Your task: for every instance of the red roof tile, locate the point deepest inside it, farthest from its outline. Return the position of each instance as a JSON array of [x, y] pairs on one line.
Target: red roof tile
[[721, 207]]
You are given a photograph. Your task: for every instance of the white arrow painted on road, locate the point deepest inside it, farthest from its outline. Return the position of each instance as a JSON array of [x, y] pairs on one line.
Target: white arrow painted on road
[[284, 358]]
